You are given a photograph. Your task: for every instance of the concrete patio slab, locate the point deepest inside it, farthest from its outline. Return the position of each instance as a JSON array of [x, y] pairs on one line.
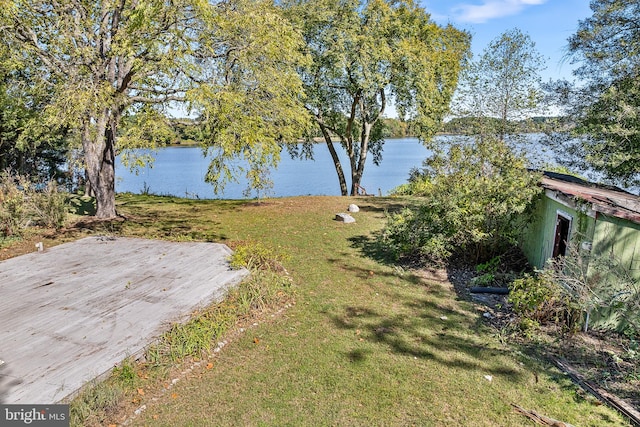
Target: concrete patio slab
[[70, 313]]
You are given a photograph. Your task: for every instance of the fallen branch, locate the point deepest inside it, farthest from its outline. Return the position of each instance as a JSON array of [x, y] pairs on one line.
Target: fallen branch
[[539, 419], [613, 401]]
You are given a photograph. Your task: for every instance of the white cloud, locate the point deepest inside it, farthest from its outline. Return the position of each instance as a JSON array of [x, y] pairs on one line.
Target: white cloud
[[491, 9]]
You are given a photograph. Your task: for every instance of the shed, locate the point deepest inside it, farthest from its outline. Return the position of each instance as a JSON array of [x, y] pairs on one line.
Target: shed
[[597, 219]]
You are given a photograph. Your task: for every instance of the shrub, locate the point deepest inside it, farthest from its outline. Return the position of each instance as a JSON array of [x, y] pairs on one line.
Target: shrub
[[539, 299], [23, 203], [49, 206], [475, 200], [417, 233], [532, 297], [488, 272], [13, 213]]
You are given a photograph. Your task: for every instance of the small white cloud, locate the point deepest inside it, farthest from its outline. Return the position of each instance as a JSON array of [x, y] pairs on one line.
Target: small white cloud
[[491, 9]]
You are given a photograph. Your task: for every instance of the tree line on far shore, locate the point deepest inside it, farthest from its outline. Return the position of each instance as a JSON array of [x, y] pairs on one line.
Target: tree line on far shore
[[186, 132]]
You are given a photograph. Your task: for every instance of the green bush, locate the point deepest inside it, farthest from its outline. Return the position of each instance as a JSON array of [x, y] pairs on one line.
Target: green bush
[[531, 296], [49, 206], [23, 203], [488, 272], [421, 233], [13, 213], [475, 198]]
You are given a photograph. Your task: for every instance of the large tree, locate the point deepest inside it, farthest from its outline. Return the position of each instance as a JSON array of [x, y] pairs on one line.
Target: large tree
[[365, 56], [605, 105], [231, 61]]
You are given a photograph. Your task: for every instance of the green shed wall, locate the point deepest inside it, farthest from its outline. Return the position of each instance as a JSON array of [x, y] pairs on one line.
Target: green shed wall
[[532, 240], [539, 235], [619, 238]]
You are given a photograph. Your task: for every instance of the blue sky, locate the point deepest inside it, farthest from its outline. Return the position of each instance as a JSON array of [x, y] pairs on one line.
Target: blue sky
[[548, 22]]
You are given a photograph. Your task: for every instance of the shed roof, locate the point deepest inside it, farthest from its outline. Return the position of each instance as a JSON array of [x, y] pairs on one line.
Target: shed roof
[[605, 199]]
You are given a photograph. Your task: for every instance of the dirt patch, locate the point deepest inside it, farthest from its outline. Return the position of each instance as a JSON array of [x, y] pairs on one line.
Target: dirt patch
[[605, 359], [27, 244]]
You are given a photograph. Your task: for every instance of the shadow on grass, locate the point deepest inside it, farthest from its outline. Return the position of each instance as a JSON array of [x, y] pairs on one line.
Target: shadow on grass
[[364, 272], [426, 331], [82, 205], [386, 204], [371, 247], [160, 217], [432, 326]]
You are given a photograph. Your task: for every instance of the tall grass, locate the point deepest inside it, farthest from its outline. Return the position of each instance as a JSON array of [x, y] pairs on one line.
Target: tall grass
[[24, 203]]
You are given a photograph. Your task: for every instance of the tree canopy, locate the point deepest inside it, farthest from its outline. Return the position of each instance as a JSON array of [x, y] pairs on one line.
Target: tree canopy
[[366, 55], [27, 145], [606, 107], [232, 63], [501, 88]]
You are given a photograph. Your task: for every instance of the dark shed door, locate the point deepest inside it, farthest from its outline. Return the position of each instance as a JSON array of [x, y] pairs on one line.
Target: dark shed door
[[562, 236]]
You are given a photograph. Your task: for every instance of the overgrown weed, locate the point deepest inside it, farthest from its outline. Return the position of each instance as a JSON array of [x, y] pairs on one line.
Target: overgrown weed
[[24, 203], [95, 403]]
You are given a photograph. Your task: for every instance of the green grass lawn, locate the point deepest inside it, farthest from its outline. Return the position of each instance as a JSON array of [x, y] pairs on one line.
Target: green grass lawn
[[365, 343]]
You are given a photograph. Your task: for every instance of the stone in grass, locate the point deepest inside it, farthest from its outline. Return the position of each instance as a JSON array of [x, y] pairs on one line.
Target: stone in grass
[[353, 208], [346, 218]]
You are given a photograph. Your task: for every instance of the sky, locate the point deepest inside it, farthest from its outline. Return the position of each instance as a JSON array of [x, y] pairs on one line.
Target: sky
[[549, 23]]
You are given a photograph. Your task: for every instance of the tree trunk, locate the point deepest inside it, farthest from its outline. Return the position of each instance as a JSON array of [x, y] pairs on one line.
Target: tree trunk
[[355, 182], [357, 172], [106, 189], [336, 161], [99, 155]]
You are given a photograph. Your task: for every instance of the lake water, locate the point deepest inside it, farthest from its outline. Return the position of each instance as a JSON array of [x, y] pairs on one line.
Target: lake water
[[180, 171]]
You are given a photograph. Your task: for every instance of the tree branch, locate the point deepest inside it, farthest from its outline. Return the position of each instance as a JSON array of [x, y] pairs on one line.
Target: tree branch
[[26, 35], [148, 100]]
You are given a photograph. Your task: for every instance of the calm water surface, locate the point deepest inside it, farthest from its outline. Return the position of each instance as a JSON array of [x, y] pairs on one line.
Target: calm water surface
[[180, 171]]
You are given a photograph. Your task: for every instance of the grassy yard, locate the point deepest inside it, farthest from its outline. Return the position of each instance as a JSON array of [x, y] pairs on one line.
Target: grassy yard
[[365, 343]]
